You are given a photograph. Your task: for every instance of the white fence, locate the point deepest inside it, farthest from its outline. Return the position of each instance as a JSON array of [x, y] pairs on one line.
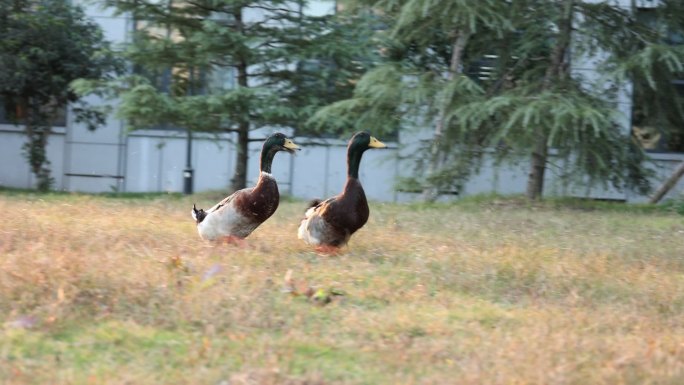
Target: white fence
[[149, 161]]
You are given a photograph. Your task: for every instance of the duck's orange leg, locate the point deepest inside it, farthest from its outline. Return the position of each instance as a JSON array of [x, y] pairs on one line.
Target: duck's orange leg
[[233, 240], [328, 250]]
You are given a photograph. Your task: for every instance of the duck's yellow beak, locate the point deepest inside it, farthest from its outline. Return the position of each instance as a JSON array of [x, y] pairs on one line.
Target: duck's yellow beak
[[290, 145], [374, 143]]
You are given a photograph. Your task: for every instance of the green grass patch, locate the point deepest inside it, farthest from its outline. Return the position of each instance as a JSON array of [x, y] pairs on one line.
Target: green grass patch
[[489, 290]]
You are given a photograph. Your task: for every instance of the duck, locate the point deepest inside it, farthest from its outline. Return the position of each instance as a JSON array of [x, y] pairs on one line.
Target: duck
[[238, 215], [329, 224]]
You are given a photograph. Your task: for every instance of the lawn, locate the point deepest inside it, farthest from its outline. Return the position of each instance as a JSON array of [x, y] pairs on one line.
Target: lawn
[[111, 290]]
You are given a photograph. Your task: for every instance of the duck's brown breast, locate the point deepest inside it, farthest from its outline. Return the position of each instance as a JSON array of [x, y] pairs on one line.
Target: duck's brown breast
[[262, 202], [349, 212]]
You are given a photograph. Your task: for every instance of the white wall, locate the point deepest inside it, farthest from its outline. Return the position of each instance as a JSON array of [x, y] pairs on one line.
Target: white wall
[[14, 167], [153, 161]]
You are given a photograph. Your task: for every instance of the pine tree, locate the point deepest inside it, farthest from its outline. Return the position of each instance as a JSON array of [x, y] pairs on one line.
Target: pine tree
[[285, 64], [421, 77], [528, 100]]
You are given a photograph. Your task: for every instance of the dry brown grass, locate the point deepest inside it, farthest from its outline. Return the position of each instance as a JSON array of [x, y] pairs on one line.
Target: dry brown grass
[[112, 291]]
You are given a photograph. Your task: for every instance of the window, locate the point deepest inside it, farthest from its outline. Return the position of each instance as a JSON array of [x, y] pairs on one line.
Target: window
[[11, 113], [482, 70]]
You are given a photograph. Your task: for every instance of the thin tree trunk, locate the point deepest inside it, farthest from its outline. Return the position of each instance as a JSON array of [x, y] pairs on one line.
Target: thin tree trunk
[[668, 185], [240, 176], [430, 192], [239, 180], [535, 180]]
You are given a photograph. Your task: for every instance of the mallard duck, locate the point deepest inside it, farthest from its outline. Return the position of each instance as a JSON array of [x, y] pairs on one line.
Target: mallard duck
[[329, 224], [235, 217]]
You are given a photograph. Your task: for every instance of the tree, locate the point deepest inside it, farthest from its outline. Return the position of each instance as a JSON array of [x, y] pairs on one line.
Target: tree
[[285, 65], [421, 77], [572, 114], [515, 90], [45, 45]]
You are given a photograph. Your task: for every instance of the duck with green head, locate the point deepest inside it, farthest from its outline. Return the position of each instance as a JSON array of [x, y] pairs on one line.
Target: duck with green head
[[329, 224], [235, 217]]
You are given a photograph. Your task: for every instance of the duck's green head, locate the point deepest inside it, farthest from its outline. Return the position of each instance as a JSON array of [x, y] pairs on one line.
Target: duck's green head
[[273, 144], [280, 142], [360, 142], [363, 141]]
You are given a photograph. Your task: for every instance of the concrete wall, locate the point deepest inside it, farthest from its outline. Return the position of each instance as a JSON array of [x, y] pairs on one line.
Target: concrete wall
[[153, 161], [14, 168]]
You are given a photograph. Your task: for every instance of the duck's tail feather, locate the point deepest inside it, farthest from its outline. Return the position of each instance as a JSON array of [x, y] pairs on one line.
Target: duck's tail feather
[[198, 214]]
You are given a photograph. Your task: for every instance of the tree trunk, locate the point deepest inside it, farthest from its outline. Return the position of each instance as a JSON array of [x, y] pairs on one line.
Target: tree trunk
[[669, 183], [239, 180], [430, 192], [240, 175], [535, 180]]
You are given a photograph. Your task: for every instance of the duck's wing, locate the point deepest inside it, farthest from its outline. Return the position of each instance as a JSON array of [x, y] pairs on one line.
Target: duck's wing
[[229, 199], [315, 228], [319, 208]]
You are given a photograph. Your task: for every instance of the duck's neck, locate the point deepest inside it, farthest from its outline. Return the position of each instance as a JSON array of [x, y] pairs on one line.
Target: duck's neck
[[354, 155], [267, 154]]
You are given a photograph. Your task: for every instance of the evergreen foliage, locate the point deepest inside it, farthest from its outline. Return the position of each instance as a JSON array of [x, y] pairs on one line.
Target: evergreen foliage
[[44, 46], [496, 77], [235, 66]]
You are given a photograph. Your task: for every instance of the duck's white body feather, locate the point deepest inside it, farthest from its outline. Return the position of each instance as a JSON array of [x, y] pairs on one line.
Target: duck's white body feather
[[312, 227]]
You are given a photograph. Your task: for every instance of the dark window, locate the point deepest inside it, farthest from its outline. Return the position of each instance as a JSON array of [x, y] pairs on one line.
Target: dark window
[[11, 113], [482, 70]]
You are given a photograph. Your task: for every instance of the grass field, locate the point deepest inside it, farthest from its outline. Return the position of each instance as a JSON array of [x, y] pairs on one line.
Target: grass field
[[102, 290]]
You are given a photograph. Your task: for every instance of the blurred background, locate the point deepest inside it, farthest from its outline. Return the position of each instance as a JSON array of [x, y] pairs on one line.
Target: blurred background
[[535, 97]]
